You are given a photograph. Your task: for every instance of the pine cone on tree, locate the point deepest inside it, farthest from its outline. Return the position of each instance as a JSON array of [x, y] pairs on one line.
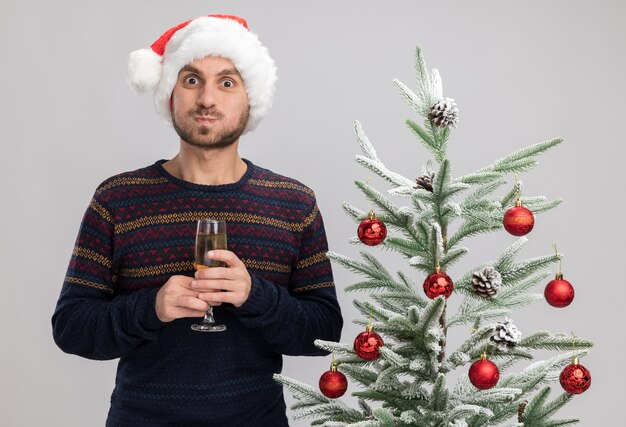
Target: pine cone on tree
[[426, 181], [487, 282], [506, 335], [444, 113]]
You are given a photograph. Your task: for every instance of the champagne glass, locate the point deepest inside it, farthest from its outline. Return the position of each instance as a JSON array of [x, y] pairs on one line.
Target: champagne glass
[[210, 234]]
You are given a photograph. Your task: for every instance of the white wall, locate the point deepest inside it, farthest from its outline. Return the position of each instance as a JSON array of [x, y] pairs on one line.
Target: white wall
[[521, 72]]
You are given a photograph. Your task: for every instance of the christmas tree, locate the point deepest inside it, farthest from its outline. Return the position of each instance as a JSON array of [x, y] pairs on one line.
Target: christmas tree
[[400, 363]]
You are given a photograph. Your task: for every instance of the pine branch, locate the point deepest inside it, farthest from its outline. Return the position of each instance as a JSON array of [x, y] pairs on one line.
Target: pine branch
[[452, 256], [535, 404], [406, 247], [301, 390], [471, 229], [505, 260], [428, 325], [549, 341], [425, 137], [538, 372], [410, 97], [391, 398], [542, 206], [375, 270], [522, 159], [421, 74], [538, 412], [459, 412], [382, 171], [525, 268], [333, 347], [509, 198], [462, 355], [376, 311], [423, 196], [383, 203], [559, 423], [333, 410], [405, 191], [403, 299], [479, 177], [360, 374], [439, 399], [483, 191], [442, 182], [507, 299], [493, 396], [371, 285], [366, 146], [384, 417], [355, 213]]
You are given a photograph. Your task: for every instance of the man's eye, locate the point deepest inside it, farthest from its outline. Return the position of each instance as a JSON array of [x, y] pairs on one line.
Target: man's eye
[[228, 83], [191, 80]]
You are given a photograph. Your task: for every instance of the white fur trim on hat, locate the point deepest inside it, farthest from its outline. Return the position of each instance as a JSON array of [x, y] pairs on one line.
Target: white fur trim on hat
[[144, 70], [209, 35]]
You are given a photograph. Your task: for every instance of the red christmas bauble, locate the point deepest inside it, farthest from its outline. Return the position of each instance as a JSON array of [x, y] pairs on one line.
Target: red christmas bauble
[[575, 378], [367, 345], [333, 383], [559, 292], [438, 284], [484, 374], [372, 231], [518, 220]]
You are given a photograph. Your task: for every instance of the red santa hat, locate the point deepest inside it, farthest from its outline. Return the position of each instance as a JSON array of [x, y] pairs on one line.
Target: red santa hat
[[156, 68]]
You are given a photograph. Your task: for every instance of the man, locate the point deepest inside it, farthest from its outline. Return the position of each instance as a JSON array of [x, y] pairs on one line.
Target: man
[[131, 291]]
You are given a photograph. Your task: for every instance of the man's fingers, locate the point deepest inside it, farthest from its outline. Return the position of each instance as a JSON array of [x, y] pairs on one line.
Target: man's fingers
[[192, 303], [212, 285], [226, 256], [180, 312], [216, 298], [214, 273]]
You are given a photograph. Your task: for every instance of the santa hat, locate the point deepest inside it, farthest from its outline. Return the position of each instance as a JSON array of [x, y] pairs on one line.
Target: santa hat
[[156, 68]]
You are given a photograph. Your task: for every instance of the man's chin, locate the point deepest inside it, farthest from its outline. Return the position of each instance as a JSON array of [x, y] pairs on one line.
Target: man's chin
[[209, 144]]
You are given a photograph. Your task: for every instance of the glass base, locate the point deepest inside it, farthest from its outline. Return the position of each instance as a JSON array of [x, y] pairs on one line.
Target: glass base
[[208, 327]]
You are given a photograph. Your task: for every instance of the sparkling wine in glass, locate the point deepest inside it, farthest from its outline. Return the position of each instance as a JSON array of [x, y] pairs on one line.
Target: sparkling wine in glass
[[210, 234]]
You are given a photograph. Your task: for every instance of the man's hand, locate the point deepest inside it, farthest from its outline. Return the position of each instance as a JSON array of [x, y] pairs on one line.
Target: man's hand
[[220, 284], [176, 299]]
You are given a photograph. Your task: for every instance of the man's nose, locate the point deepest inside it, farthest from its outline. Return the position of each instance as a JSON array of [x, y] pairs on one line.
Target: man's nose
[[207, 97]]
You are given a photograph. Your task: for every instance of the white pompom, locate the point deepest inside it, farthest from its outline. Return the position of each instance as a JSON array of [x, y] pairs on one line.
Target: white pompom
[[144, 70]]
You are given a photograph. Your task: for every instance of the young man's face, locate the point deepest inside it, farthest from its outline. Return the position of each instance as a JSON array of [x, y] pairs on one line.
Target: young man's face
[[209, 103]]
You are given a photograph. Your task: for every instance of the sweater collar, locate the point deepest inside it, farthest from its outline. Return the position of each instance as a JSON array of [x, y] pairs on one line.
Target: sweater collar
[[209, 188]]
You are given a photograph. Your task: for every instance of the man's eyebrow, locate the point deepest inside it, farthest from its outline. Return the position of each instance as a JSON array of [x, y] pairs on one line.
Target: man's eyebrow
[[229, 72], [225, 72], [190, 68]]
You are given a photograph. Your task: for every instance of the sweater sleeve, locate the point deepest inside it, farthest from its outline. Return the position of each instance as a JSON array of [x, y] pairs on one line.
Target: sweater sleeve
[[91, 320], [291, 318]]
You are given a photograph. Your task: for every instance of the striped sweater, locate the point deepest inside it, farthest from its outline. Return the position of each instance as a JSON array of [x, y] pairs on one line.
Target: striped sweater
[[137, 232]]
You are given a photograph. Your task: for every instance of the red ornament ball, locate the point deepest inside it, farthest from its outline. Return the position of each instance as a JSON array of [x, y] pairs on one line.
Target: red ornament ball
[[518, 221], [333, 383], [367, 345], [372, 231], [484, 374], [575, 378], [438, 284], [559, 292]]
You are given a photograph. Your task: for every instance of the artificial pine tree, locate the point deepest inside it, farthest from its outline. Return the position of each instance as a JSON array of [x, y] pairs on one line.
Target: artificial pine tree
[[402, 381]]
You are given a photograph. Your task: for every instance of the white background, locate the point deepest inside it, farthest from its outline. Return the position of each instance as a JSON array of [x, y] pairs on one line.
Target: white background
[[521, 73]]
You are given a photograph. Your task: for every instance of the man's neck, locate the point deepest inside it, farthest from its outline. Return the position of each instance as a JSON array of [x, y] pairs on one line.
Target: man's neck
[[212, 167]]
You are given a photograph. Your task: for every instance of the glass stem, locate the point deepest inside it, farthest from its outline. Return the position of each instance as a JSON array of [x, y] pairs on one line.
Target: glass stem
[[208, 316]]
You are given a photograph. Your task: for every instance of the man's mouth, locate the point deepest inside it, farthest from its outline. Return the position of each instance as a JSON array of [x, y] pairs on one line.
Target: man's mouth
[[205, 119]]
